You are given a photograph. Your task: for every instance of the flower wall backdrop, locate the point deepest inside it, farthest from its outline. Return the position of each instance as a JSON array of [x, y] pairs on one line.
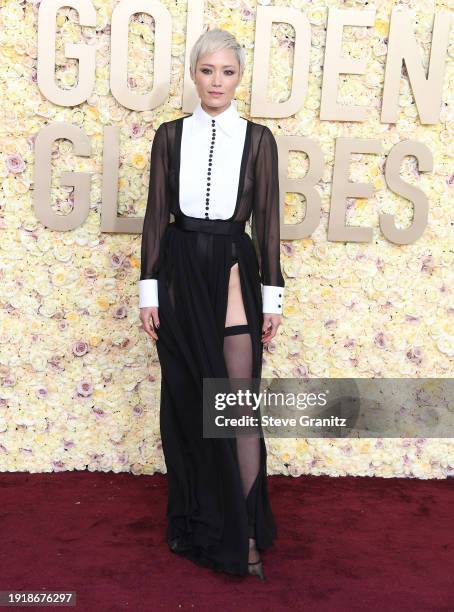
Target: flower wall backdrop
[[79, 378]]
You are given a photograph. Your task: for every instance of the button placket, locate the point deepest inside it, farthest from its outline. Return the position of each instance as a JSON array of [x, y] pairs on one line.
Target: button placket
[[210, 162]]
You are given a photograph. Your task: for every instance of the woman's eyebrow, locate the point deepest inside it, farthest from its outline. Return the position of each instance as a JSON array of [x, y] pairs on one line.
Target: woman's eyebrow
[[212, 65]]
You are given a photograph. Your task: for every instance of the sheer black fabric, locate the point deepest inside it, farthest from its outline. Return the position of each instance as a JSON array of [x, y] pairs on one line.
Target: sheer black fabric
[[157, 214], [266, 214], [217, 487], [238, 358]]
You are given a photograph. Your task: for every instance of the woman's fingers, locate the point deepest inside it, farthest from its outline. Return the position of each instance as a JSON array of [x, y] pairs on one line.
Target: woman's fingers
[[266, 323], [154, 314], [269, 335], [267, 331], [149, 316], [270, 327], [153, 333]]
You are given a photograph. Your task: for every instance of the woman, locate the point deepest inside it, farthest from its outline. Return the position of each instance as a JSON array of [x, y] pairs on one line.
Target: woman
[[201, 300]]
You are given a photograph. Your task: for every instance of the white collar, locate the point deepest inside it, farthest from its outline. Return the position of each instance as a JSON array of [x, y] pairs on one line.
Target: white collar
[[228, 120]]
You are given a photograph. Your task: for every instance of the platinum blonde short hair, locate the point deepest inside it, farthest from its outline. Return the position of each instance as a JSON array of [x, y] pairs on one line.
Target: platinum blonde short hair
[[213, 40]]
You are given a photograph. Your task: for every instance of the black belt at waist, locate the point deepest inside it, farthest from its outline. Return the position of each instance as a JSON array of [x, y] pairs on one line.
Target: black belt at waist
[[211, 226]]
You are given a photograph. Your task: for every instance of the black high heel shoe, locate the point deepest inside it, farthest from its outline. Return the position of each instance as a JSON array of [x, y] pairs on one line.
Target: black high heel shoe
[[255, 568]]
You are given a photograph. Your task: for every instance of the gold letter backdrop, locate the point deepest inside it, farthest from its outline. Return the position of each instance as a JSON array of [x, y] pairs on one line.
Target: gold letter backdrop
[[360, 99]]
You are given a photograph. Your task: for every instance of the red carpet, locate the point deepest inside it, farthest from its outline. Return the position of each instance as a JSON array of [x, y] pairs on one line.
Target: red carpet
[[344, 544]]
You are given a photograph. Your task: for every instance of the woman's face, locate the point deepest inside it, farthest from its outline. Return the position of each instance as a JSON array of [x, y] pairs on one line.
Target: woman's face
[[217, 72]]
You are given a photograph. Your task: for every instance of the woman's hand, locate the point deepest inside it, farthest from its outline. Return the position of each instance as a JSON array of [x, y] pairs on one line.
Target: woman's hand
[[150, 320], [271, 323]]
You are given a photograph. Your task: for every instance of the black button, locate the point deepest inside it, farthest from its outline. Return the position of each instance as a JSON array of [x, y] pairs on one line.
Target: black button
[[280, 295]]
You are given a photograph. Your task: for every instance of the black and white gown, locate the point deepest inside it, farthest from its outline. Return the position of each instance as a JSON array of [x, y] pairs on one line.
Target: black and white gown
[[217, 487]]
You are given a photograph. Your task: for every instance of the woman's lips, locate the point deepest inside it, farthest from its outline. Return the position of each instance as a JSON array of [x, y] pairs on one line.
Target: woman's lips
[[215, 93]]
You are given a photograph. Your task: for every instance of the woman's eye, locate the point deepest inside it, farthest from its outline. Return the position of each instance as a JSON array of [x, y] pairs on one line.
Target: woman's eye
[[206, 70]]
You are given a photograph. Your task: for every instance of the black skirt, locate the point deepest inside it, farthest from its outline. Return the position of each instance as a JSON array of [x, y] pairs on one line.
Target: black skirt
[[209, 516]]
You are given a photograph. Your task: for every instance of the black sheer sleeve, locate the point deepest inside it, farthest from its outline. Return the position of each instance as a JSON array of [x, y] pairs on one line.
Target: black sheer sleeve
[[157, 214], [265, 222]]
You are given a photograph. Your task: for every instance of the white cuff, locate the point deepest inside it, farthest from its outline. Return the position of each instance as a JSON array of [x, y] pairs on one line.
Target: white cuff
[[272, 298], [148, 292]]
